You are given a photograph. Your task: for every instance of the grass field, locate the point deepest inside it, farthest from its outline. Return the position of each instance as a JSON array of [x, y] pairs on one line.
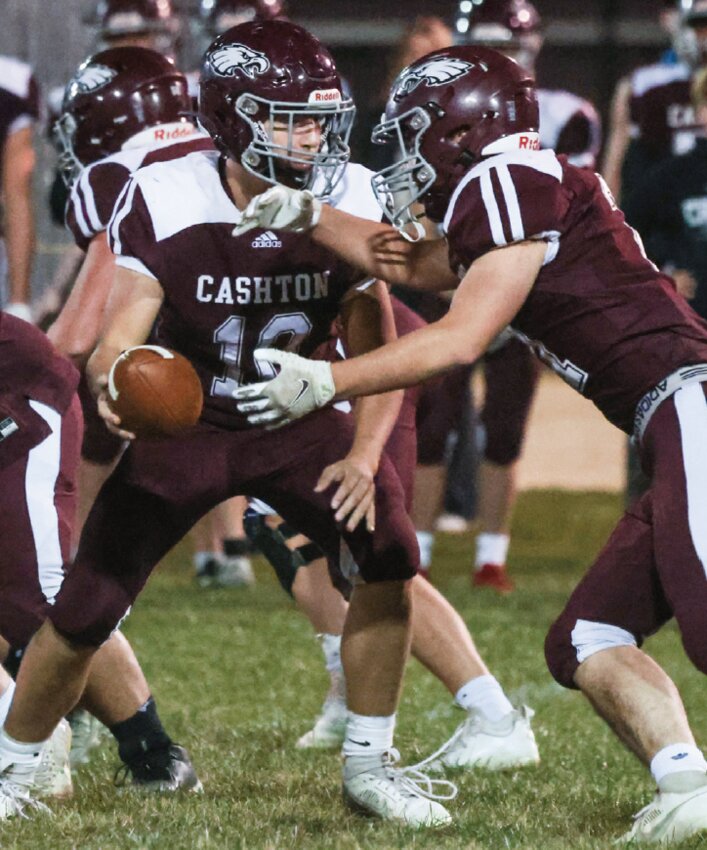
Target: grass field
[[238, 677]]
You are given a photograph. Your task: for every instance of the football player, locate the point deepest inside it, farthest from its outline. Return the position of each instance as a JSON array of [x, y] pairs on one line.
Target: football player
[[19, 110], [541, 246], [652, 113], [40, 433], [569, 125], [271, 100]]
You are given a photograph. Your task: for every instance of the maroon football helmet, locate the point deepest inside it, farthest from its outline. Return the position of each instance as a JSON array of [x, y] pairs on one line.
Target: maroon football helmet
[[512, 26], [113, 96], [217, 16], [264, 73], [446, 112]]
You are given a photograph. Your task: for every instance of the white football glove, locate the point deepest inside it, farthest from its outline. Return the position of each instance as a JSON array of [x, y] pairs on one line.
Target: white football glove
[[280, 208], [301, 387]]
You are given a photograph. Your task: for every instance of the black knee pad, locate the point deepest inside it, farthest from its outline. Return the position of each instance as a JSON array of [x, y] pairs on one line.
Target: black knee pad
[[272, 542], [560, 654]]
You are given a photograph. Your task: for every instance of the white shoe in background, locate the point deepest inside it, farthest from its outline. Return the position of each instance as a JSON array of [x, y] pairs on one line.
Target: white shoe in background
[[481, 743]]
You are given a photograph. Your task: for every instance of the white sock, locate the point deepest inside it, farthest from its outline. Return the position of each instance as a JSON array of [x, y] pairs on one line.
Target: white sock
[[677, 758], [426, 542], [19, 752], [366, 736], [491, 549], [484, 694], [6, 700], [331, 647]]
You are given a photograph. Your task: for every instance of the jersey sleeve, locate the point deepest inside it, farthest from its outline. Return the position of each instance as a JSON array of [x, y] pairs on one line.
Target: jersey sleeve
[[92, 200], [502, 202], [580, 138], [131, 234]]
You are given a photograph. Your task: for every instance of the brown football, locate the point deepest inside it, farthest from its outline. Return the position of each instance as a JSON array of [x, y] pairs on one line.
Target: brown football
[[155, 391]]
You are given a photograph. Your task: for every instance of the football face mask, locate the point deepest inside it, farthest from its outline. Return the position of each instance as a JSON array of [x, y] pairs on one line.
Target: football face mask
[[68, 163], [301, 145], [404, 183]]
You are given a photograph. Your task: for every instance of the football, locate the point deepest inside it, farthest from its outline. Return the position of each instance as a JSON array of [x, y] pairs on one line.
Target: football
[[155, 391]]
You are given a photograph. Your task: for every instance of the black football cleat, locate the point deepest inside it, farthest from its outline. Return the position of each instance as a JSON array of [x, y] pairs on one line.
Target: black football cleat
[[166, 769]]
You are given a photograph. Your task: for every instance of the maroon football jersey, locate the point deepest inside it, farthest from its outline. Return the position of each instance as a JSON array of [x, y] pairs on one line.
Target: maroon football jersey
[[19, 97], [225, 296], [600, 314], [661, 111], [30, 366], [95, 193]]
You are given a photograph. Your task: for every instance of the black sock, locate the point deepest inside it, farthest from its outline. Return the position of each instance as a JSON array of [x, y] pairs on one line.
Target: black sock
[[234, 547], [140, 733]]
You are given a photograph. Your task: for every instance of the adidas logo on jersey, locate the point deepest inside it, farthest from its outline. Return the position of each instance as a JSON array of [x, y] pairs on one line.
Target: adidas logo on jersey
[[266, 240]]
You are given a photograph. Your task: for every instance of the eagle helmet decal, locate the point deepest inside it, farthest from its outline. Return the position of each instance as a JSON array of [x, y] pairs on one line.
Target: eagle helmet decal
[[231, 59]]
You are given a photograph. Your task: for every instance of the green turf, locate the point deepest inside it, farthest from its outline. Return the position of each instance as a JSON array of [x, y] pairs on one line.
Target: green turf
[[238, 677]]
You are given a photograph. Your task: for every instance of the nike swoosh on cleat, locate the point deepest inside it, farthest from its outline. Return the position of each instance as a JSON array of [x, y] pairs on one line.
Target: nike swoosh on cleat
[[360, 743]]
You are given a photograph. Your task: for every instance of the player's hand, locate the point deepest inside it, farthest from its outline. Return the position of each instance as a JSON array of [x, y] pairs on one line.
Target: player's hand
[[685, 283], [355, 496], [111, 420], [280, 208], [301, 387]]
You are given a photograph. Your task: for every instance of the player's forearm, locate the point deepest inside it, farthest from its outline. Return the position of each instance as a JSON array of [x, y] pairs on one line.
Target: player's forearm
[[20, 242], [376, 248], [407, 361], [375, 419]]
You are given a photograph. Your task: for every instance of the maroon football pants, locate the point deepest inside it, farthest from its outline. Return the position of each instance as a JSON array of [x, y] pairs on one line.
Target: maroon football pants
[[37, 508], [161, 488], [654, 565], [511, 376]]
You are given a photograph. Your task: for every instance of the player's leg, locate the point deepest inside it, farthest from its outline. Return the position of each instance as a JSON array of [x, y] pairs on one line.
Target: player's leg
[[594, 645], [494, 735], [439, 413], [376, 635], [156, 494], [303, 573], [234, 567], [511, 375]]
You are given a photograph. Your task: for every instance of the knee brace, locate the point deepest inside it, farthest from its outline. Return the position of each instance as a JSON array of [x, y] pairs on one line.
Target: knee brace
[[272, 542], [569, 643]]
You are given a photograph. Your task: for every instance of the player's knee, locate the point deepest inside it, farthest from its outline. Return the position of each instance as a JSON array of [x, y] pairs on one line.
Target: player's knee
[[93, 621], [272, 542], [572, 641]]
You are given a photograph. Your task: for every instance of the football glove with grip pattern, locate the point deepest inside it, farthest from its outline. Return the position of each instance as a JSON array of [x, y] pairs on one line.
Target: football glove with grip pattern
[[281, 208], [300, 387]]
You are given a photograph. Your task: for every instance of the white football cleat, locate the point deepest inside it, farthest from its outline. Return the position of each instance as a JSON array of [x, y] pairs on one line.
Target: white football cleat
[[374, 787], [53, 776], [481, 743], [669, 819], [17, 785], [234, 571], [329, 729], [86, 734]]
